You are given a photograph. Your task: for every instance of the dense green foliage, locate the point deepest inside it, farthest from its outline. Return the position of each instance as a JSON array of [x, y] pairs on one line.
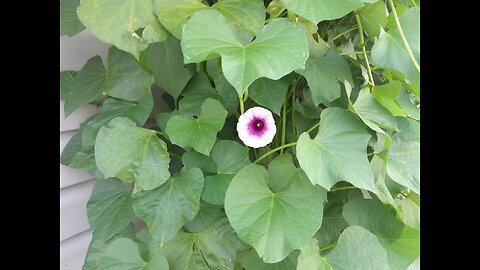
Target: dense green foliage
[[337, 188]]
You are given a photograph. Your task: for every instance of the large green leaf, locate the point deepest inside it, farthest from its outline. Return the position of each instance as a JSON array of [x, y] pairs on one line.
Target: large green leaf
[[111, 108], [338, 152], [401, 241], [403, 164], [408, 105], [123, 254], [356, 249], [277, 50], [389, 51], [379, 171], [200, 251], [167, 208], [386, 95], [251, 261], [132, 153], [372, 113], [409, 212], [130, 25], [76, 156], [197, 90], [69, 22], [201, 161], [125, 78], [323, 75], [317, 47], [333, 222], [200, 132], [373, 17], [269, 93], [66, 79], [87, 85], [206, 216], [249, 15], [228, 94], [109, 208], [165, 61], [317, 11], [274, 223], [229, 157], [97, 246]]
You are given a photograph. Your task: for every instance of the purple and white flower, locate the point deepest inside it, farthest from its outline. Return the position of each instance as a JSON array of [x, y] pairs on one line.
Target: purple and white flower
[[256, 127]]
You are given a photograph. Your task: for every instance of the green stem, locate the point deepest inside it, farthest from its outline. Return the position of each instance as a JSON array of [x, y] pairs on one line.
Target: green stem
[[245, 95], [400, 30], [284, 122], [240, 99], [327, 247], [199, 67], [275, 16], [362, 43], [312, 128], [160, 133], [343, 188], [274, 150], [347, 53], [175, 101], [344, 32], [294, 88]]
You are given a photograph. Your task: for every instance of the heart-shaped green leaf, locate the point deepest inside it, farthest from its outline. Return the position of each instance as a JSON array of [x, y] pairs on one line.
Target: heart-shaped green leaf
[[123, 254], [386, 95], [165, 61], [389, 50], [373, 17], [109, 208], [229, 157], [274, 223], [208, 249], [317, 11], [66, 79], [197, 90], [356, 249], [323, 75], [69, 22], [269, 93], [201, 132], [338, 152], [111, 108], [403, 163], [277, 50], [401, 242], [249, 15], [201, 161], [87, 85], [125, 78], [130, 25], [132, 153], [167, 208], [251, 261]]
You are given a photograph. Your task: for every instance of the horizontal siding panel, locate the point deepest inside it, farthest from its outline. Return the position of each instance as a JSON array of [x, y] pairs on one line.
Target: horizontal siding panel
[[76, 50], [74, 250], [73, 121], [73, 209], [70, 176]]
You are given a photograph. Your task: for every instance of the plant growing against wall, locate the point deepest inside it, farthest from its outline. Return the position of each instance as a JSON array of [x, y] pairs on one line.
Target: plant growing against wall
[[248, 134]]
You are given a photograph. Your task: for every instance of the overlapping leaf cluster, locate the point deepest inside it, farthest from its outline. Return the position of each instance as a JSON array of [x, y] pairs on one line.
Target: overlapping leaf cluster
[[339, 186]]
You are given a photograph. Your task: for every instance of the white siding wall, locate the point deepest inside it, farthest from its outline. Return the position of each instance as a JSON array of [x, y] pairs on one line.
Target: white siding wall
[[75, 185]]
